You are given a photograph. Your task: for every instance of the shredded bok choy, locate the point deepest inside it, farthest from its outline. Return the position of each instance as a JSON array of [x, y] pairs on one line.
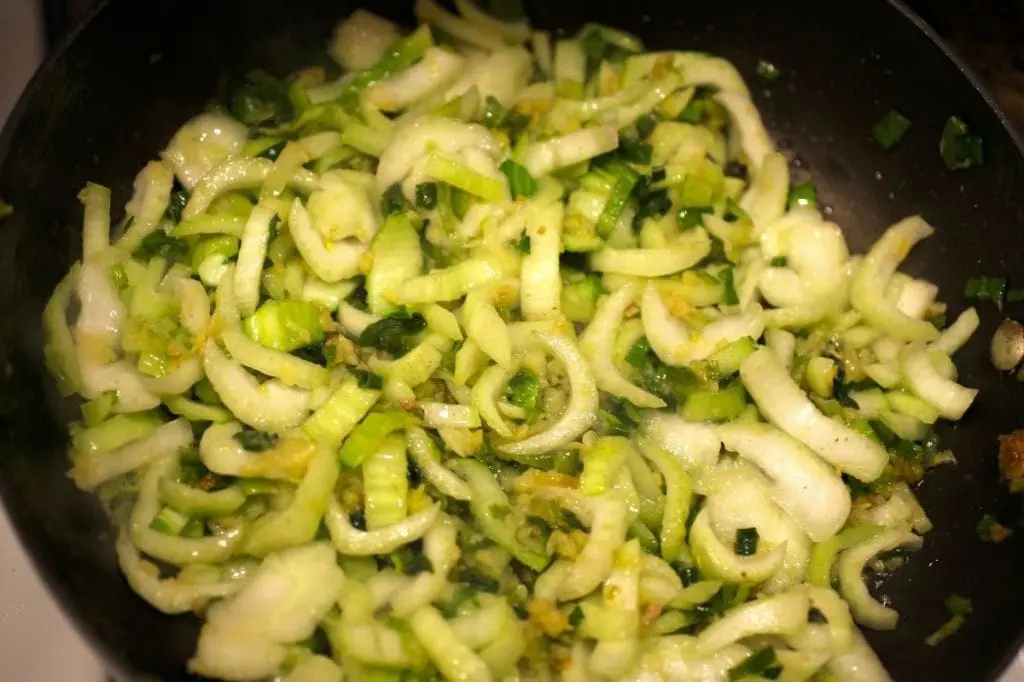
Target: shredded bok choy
[[494, 356]]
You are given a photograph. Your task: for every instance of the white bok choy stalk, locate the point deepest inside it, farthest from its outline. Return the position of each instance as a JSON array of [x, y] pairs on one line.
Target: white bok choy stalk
[[240, 173], [802, 484], [598, 341], [435, 70], [781, 614], [351, 541], [695, 445], [271, 406], [502, 74], [145, 209], [543, 158], [92, 469], [222, 453], [957, 334], [430, 135], [919, 375], [361, 40], [331, 261], [683, 252], [787, 406], [246, 635], [579, 413], [678, 345], [202, 144], [867, 293], [851, 565], [813, 283]]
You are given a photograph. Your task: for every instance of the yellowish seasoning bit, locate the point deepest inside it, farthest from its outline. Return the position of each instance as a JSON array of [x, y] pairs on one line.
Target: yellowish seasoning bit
[[547, 617], [366, 262], [311, 77], [650, 614], [632, 311], [418, 499], [561, 544], [610, 82], [408, 404], [662, 65]]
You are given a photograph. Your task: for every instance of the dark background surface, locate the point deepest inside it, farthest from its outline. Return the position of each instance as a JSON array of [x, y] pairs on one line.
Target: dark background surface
[[104, 109]]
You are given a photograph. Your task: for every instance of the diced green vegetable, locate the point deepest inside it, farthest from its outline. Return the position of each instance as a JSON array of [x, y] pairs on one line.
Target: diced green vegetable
[[520, 182], [890, 129], [746, 541], [959, 147]]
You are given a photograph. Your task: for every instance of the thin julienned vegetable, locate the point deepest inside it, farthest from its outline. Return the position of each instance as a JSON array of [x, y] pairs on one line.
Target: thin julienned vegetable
[[461, 367]]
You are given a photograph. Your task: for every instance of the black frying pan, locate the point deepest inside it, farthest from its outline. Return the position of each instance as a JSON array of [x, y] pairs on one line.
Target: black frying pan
[[117, 90]]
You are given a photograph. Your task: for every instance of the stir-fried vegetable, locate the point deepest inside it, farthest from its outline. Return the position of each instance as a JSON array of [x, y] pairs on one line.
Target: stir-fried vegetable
[[505, 358]]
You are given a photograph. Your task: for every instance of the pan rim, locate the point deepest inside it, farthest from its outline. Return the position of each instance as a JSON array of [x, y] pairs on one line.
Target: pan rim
[[28, 534]]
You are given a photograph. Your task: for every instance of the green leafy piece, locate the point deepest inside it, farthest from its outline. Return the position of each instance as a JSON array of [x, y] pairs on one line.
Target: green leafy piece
[[767, 71], [576, 617], [697, 109], [426, 195], [520, 182], [960, 149], [391, 334], [990, 530], [410, 560], [625, 180], [638, 353], [778, 262], [762, 663], [646, 124], [746, 541], [260, 98], [523, 390], [688, 574], [654, 204], [256, 441], [692, 216], [393, 201], [985, 288], [635, 150], [159, 243], [804, 194], [496, 117], [733, 211], [890, 129], [176, 205], [523, 245], [726, 276]]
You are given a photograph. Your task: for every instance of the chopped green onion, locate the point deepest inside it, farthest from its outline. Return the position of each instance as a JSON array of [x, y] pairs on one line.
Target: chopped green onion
[[523, 245], [692, 216], [636, 356], [746, 541], [646, 124], [176, 205], [990, 530], [984, 288], [654, 204], [426, 195], [256, 441], [804, 194], [393, 201], [520, 182], [726, 277], [960, 148], [169, 521], [890, 129], [625, 180], [697, 108], [390, 334], [635, 151], [159, 243], [496, 116], [778, 262], [733, 211], [767, 70]]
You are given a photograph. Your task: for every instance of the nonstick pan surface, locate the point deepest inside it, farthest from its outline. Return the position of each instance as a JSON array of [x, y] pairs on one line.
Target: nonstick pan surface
[[112, 96]]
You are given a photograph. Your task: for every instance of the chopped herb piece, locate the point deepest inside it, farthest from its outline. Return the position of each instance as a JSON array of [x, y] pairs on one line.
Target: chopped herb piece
[[767, 70], [393, 201], [692, 216], [176, 205], [959, 608], [523, 390], [520, 182], [523, 245], [733, 211], [803, 194], [159, 243], [688, 574], [391, 333], [960, 149], [890, 129], [358, 519], [984, 288], [410, 560], [576, 617], [635, 151], [646, 124], [256, 441], [636, 356], [654, 204], [696, 109], [746, 541], [758, 663], [990, 530], [778, 262], [367, 379], [426, 195], [497, 116], [726, 276]]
